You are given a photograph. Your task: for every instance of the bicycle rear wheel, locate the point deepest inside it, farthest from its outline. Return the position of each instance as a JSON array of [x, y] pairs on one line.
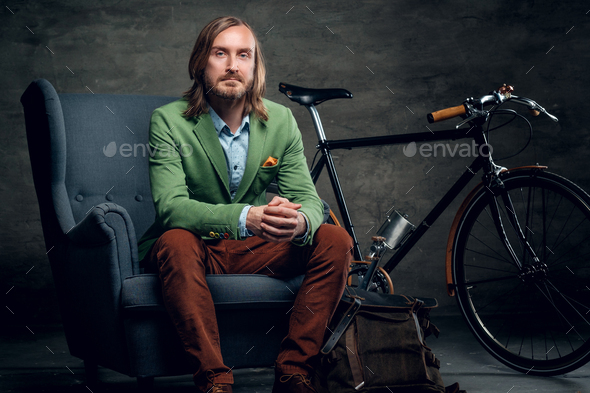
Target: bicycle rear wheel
[[534, 318]]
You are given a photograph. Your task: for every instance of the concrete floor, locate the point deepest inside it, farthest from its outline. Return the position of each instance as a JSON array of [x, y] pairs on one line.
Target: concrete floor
[[37, 360]]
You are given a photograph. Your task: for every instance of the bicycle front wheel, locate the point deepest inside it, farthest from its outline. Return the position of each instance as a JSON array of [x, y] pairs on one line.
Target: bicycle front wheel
[[532, 315]]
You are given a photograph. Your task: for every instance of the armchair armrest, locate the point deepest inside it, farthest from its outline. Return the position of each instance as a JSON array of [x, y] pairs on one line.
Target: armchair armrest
[[106, 223], [100, 253]]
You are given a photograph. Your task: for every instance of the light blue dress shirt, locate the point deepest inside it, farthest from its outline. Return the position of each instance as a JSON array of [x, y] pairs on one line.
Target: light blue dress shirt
[[235, 148]]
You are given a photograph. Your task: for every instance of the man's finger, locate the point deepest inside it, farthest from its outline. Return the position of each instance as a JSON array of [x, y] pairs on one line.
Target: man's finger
[[277, 200], [275, 234], [291, 205], [280, 211], [279, 222], [284, 202]]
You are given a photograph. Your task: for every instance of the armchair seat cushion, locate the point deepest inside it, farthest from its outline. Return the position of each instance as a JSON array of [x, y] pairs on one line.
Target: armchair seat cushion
[[142, 293]]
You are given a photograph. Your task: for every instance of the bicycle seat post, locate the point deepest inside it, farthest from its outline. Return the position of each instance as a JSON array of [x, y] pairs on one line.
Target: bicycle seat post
[[317, 123], [322, 145], [310, 98]]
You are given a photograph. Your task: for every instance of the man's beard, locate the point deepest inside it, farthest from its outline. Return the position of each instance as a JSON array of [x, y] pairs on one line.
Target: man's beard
[[227, 92]]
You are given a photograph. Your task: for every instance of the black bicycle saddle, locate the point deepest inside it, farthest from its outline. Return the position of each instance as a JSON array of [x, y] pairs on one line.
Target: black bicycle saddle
[[305, 96]]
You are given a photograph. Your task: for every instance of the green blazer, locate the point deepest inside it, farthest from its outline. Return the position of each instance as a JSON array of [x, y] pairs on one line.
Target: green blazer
[[189, 181]]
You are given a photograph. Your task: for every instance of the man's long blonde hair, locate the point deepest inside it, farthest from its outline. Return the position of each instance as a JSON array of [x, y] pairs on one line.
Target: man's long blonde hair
[[198, 62]]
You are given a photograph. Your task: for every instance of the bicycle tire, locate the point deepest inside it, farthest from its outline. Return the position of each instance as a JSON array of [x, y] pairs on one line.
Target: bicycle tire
[[533, 319]]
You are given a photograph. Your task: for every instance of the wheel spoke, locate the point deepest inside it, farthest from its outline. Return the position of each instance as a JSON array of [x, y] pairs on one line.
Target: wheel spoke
[[491, 268], [498, 297], [579, 257], [555, 244], [561, 320], [544, 242], [490, 280], [489, 256], [494, 251], [568, 251], [556, 308], [556, 344], [493, 233], [567, 299]]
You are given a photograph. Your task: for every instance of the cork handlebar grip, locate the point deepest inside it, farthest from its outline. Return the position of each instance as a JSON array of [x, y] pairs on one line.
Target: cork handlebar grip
[[445, 114]]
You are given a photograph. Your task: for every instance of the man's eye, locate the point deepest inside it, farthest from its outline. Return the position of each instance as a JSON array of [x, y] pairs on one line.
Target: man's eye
[[219, 53]]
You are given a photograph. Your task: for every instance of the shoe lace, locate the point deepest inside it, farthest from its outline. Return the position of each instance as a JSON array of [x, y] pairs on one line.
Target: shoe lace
[[215, 387], [302, 378]]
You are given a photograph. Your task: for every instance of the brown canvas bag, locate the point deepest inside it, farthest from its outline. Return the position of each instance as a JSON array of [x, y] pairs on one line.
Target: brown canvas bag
[[377, 344]]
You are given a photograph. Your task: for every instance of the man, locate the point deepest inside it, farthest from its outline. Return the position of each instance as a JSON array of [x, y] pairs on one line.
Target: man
[[211, 210]]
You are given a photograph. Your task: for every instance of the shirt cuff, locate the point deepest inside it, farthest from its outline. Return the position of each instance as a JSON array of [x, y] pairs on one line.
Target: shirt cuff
[[244, 232], [303, 238]]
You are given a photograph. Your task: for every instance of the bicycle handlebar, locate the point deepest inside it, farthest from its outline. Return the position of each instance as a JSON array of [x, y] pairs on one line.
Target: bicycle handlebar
[[447, 113], [474, 108]]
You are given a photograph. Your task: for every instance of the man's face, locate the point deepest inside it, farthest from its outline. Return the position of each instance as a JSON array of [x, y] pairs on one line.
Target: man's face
[[230, 70]]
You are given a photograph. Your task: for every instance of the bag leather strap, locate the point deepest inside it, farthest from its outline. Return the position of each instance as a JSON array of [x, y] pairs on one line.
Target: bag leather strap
[[415, 307], [343, 324], [353, 360]]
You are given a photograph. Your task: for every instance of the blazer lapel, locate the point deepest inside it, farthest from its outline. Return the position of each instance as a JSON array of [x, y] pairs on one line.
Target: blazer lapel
[[207, 136], [255, 149]]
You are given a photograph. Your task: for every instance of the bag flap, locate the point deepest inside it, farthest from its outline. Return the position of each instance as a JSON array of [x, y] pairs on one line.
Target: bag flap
[[400, 315], [370, 300]]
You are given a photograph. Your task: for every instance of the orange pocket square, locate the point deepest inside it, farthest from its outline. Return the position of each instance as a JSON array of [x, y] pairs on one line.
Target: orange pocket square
[[270, 161]]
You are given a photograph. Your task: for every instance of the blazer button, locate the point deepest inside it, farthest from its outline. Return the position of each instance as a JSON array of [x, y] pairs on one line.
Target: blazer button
[[211, 234]]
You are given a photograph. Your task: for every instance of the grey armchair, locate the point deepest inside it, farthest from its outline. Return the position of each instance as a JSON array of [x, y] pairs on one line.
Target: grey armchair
[[89, 158]]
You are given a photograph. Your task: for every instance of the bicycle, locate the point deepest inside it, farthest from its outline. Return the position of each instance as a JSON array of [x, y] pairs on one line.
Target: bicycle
[[517, 247]]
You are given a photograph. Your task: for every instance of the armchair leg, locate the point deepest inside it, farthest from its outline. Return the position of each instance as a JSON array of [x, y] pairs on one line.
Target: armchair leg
[[91, 372], [145, 384]]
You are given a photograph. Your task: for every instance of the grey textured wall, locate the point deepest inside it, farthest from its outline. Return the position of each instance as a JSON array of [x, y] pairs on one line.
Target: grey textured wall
[[401, 59]]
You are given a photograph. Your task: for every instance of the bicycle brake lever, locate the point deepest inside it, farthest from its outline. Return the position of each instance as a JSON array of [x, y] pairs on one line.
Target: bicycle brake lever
[[473, 114], [536, 109], [467, 120], [533, 107], [555, 119]]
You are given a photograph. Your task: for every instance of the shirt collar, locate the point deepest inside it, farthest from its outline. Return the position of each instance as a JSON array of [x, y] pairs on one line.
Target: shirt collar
[[220, 125]]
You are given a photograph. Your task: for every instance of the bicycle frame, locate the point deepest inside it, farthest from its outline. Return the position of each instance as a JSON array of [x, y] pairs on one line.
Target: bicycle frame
[[326, 146]]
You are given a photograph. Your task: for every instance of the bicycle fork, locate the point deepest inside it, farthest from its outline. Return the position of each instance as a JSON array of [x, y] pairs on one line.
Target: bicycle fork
[[528, 272]]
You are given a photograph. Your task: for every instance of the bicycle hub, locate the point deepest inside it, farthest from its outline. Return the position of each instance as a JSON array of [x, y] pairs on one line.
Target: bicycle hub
[[533, 273]]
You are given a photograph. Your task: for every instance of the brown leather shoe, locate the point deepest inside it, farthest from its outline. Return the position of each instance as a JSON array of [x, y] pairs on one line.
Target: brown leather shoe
[[292, 383], [213, 387], [219, 388]]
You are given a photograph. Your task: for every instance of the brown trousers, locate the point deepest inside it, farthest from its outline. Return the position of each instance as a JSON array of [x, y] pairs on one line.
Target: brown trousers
[[183, 259]]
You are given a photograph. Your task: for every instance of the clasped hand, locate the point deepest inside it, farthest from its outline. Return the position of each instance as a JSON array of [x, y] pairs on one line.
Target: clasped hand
[[278, 221]]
